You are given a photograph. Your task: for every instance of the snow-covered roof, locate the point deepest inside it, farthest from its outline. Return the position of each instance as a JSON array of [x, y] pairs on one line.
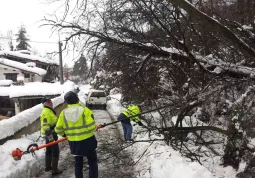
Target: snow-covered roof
[[27, 56], [24, 52], [21, 66], [4, 91], [5, 82], [35, 89]]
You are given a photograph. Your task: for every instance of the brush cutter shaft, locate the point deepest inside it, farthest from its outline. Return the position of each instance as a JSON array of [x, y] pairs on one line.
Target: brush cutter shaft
[[17, 153], [49, 144]]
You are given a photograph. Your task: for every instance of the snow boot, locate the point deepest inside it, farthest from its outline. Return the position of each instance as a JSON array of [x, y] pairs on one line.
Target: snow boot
[[55, 170], [130, 140], [48, 163]]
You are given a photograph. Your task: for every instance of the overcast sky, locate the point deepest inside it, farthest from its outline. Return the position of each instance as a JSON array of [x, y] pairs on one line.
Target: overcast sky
[[14, 13]]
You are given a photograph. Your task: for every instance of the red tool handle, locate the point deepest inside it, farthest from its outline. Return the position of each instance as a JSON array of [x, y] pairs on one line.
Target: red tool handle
[[48, 144], [99, 127], [17, 153]]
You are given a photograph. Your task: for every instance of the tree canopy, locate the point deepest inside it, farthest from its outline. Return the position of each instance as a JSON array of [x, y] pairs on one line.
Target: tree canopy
[[22, 39], [197, 57], [81, 67]]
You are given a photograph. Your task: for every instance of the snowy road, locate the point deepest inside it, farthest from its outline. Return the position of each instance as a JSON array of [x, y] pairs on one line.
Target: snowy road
[[112, 162]]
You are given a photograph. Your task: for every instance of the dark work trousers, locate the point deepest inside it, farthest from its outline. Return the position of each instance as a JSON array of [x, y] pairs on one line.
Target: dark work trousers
[[127, 129], [52, 150], [93, 167]]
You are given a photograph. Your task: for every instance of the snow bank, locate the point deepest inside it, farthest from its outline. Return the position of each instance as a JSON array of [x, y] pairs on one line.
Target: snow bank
[[161, 161], [5, 82], [19, 121], [23, 119], [167, 163], [28, 164]]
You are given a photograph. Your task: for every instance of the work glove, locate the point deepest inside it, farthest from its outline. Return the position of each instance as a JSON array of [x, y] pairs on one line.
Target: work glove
[[140, 123], [49, 135], [50, 138]]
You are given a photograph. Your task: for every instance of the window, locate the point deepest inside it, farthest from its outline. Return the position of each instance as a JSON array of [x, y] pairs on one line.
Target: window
[[97, 94], [11, 76], [26, 75]]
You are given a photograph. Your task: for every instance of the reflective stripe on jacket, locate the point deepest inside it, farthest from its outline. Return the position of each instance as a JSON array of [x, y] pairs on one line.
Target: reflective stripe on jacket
[[48, 120], [76, 122], [131, 111]]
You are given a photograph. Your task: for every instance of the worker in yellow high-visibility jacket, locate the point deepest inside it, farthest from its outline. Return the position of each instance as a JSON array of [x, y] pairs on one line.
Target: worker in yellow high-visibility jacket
[[77, 124], [48, 121], [126, 116]]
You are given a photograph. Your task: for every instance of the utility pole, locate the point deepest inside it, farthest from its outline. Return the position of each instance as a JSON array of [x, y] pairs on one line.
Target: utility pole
[[60, 63]]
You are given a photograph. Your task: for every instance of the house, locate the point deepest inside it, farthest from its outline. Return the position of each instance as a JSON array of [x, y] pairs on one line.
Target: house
[[31, 67], [17, 98], [23, 80], [17, 71]]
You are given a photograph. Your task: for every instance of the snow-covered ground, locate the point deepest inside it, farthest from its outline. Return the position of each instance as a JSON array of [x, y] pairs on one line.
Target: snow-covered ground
[[28, 165], [158, 160], [150, 159]]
